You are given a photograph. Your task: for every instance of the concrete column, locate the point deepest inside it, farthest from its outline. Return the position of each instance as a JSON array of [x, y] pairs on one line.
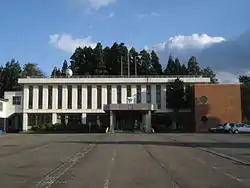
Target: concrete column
[[153, 94], [114, 94], [104, 95], [133, 93], [55, 97], [45, 97], [74, 97], [124, 94], [84, 118], [35, 97], [94, 97], [54, 118], [84, 97], [64, 97], [25, 122], [25, 97], [148, 122], [112, 129]]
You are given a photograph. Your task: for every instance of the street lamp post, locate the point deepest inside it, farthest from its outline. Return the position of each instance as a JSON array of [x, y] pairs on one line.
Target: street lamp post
[[128, 64]]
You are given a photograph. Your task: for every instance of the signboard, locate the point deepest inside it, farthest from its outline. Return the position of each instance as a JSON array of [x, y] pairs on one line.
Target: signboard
[[203, 99], [131, 100]]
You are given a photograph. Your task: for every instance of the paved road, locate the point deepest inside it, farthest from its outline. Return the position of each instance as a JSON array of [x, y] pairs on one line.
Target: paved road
[[125, 161]]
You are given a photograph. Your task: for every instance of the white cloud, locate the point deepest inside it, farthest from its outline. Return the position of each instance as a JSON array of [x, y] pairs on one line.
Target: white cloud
[[227, 77], [182, 42], [95, 4], [66, 43], [152, 14]]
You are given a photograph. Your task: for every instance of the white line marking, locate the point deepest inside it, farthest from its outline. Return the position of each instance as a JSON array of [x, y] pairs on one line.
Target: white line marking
[[55, 174], [199, 160], [107, 180], [225, 156], [233, 177]]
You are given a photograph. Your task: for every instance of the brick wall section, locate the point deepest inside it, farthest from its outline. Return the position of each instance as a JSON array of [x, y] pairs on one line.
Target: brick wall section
[[223, 104]]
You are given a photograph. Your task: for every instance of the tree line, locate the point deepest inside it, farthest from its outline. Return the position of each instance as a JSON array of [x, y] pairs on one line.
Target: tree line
[[108, 61], [104, 61], [12, 70]]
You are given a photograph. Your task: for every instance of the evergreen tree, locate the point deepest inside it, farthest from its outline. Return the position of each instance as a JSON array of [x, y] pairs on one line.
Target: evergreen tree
[[64, 68], [193, 66], [155, 62]]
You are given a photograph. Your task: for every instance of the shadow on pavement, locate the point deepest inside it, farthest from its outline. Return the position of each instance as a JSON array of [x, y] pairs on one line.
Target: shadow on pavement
[[162, 143]]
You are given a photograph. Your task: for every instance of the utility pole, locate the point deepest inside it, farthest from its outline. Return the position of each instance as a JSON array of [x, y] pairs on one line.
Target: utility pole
[[128, 64], [135, 66], [121, 66]]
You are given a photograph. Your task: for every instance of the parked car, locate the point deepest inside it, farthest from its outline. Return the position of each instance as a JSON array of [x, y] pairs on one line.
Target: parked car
[[240, 128], [223, 128]]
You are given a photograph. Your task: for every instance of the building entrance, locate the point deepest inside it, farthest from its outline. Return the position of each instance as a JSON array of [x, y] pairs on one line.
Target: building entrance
[[129, 120]]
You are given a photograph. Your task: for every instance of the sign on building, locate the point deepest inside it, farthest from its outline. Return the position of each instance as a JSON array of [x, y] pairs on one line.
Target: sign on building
[[131, 100]]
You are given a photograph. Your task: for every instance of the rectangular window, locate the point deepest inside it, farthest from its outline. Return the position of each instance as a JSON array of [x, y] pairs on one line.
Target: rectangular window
[[40, 97], [1, 106], [128, 91], [99, 97], [69, 97], [158, 96], [50, 94], [30, 97], [109, 94], [16, 100], [138, 94], [79, 97], [59, 97], [89, 97], [119, 94], [148, 93]]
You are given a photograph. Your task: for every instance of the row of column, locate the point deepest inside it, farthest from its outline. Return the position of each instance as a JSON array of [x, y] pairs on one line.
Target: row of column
[[93, 96]]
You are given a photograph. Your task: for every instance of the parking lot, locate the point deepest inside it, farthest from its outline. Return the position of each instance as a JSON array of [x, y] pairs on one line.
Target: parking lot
[[124, 160]]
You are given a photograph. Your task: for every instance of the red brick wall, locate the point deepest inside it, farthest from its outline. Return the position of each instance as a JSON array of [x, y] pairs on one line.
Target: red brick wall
[[223, 104]]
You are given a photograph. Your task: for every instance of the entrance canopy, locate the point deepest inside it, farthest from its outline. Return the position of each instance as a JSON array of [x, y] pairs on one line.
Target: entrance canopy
[[131, 107]]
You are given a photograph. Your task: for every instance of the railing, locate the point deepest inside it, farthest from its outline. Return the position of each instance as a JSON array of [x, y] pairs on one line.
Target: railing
[[119, 76]]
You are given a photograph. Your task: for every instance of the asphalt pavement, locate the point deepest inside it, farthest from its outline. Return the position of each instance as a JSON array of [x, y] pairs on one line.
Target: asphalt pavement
[[124, 160]]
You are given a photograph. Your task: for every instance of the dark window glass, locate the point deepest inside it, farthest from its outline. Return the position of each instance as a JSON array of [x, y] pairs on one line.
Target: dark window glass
[[109, 94], [59, 97], [69, 97], [89, 97], [148, 93], [50, 94], [16, 100], [158, 96], [40, 97], [30, 97], [119, 94], [138, 94], [79, 97], [99, 97], [128, 91]]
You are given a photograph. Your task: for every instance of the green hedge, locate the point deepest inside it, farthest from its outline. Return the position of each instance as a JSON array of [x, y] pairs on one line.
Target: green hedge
[[60, 127]]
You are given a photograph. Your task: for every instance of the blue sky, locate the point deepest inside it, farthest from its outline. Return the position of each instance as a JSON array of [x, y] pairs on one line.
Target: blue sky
[[45, 32]]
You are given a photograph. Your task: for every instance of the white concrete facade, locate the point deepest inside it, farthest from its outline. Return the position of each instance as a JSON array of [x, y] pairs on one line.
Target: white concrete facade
[[8, 108]]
